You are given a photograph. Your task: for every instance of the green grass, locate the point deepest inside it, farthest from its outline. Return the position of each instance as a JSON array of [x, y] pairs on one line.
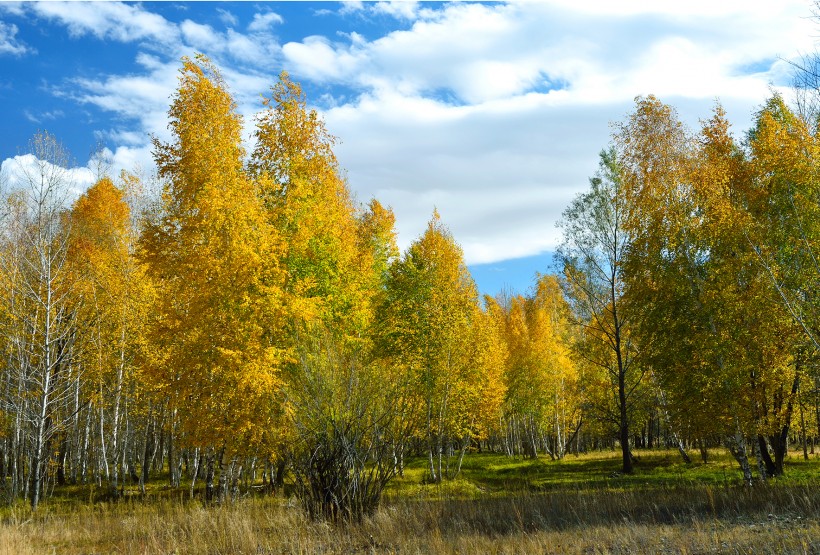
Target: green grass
[[486, 474]]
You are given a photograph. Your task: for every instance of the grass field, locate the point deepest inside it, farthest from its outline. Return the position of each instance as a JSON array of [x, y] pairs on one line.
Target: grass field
[[497, 505]]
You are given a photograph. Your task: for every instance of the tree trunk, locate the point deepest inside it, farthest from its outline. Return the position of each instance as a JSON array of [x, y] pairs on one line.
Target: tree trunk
[[195, 471], [761, 464], [626, 454], [780, 442], [37, 463], [737, 446], [681, 449], [61, 459], [704, 452], [803, 428], [209, 476]]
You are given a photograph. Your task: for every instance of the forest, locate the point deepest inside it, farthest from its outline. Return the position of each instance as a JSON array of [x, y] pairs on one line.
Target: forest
[[239, 321]]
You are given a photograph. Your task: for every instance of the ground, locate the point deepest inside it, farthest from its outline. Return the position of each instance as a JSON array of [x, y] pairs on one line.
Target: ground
[[497, 505]]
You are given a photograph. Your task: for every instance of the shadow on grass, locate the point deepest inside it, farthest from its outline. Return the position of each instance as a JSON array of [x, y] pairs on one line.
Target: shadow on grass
[[581, 509]]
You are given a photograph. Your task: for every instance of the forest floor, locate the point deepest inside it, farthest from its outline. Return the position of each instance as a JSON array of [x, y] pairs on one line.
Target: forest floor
[[496, 505]]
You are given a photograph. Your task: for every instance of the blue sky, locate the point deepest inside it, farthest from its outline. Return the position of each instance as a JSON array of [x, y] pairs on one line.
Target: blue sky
[[491, 113]]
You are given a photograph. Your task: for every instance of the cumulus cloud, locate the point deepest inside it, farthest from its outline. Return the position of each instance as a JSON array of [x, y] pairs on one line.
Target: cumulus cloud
[[479, 53], [495, 114], [500, 175], [319, 60], [22, 172], [108, 20], [492, 113]]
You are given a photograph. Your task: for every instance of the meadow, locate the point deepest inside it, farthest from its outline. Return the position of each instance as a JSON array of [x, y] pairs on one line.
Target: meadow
[[497, 505]]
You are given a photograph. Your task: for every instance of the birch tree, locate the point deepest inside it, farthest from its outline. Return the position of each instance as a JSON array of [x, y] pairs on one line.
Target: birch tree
[[39, 315], [435, 336], [213, 257], [592, 254]]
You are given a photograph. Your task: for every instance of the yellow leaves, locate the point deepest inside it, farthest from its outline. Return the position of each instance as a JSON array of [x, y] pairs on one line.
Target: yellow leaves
[[329, 254], [215, 256], [698, 205], [541, 377], [441, 344]]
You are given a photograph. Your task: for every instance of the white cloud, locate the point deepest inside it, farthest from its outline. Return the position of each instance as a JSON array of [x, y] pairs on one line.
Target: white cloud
[[199, 36], [400, 9], [132, 159], [13, 8], [499, 174], [493, 113], [319, 60], [264, 21], [22, 171], [351, 7], [479, 53], [227, 17], [251, 50], [139, 100], [9, 44], [109, 20]]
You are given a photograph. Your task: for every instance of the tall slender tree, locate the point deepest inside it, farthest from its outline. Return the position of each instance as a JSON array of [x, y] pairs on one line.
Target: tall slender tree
[[214, 258], [112, 294], [40, 319], [592, 255], [441, 346]]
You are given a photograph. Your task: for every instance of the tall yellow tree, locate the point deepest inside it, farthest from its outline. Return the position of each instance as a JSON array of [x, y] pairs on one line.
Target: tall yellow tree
[[705, 322], [779, 214], [543, 405], [335, 258], [309, 203], [442, 346], [214, 257], [113, 295]]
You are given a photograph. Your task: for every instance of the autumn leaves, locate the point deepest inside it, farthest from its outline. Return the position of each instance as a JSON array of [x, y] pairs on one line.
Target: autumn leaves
[[283, 325], [692, 259], [254, 316]]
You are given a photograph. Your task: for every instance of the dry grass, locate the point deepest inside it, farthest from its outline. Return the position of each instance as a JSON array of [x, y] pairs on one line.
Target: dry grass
[[497, 506], [727, 520]]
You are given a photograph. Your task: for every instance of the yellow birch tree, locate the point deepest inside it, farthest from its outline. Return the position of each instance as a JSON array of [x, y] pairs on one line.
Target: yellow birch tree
[[214, 258]]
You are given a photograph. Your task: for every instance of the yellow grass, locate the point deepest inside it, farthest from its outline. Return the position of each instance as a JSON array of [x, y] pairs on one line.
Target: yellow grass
[[572, 507], [529, 524]]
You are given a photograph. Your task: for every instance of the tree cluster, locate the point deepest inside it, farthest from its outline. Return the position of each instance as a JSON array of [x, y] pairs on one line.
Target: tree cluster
[[691, 266], [253, 321]]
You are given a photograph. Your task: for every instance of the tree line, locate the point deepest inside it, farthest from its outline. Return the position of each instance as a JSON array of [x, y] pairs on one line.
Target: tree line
[[252, 320]]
